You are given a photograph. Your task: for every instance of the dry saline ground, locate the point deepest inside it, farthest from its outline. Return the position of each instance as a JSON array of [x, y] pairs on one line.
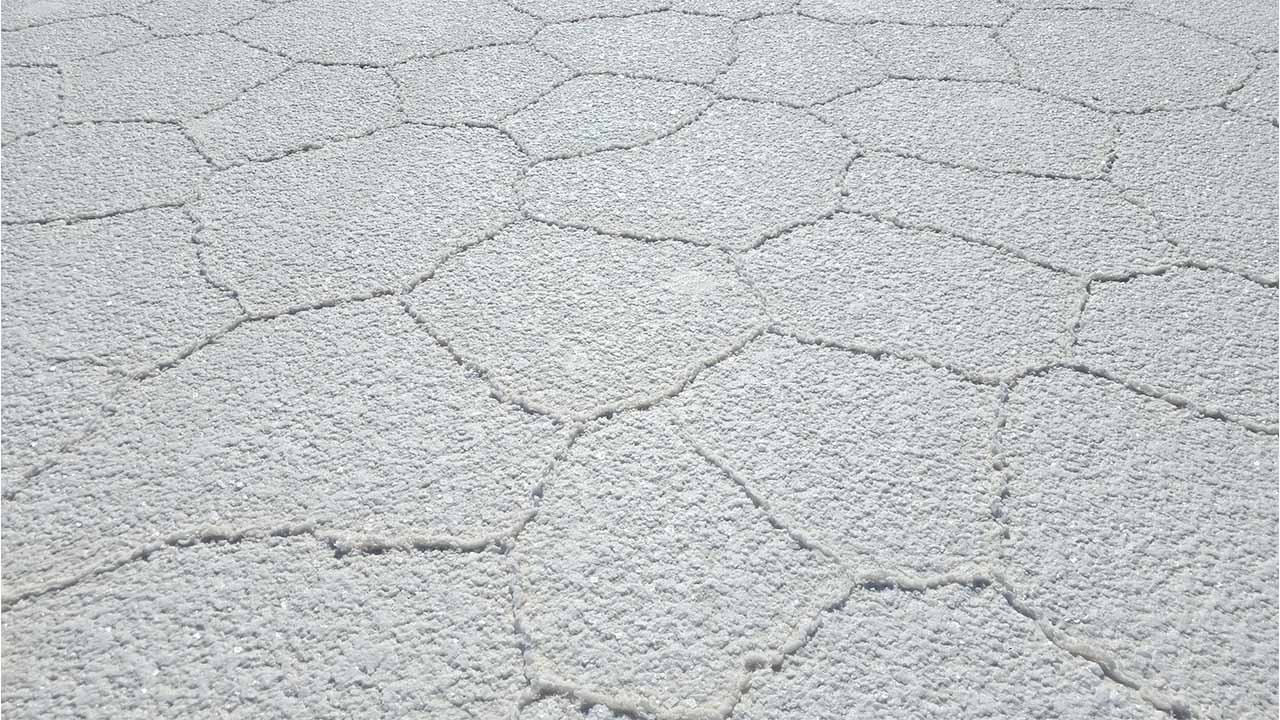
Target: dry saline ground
[[756, 360]]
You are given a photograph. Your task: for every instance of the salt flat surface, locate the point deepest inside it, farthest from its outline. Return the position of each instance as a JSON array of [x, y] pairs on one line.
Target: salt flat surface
[[688, 359]]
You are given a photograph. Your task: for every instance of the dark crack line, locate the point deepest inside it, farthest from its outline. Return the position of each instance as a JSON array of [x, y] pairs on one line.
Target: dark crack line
[[197, 226], [86, 16], [1006, 249], [398, 89], [1073, 332], [868, 146], [503, 393], [874, 581], [613, 147], [244, 92], [799, 537], [978, 378], [881, 352], [805, 629], [569, 225], [49, 459], [217, 105], [148, 370], [999, 464], [683, 123], [872, 22], [1172, 398], [1024, 82], [524, 637], [748, 96], [82, 217], [1105, 662], [375, 65], [996, 35], [341, 543], [78, 58], [313, 145], [1009, 251], [1201, 31], [745, 278], [32, 65]]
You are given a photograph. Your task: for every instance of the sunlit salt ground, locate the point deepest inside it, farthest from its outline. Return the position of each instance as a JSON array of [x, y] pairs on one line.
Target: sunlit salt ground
[[688, 359]]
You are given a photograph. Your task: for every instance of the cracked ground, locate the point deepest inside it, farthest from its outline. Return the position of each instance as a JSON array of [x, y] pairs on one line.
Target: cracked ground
[[689, 359]]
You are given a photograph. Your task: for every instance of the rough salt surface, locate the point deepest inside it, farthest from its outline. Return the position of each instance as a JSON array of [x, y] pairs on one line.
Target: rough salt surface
[[124, 290], [93, 170], [329, 418], [648, 576], [1123, 61], [477, 86], [665, 45], [327, 31], [306, 106], [1260, 95], [1207, 336], [1149, 533], [855, 450], [797, 60], [561, 360], [892, 654], [47, 404], [591, 113], [356, 216], [293, 631], [991, 126], [738, 174], [1210, 177], [943, 53], [72, 39], [913, 12], [577, 322], [868, 284], [168, 79], [32, 98], [1081, 225]]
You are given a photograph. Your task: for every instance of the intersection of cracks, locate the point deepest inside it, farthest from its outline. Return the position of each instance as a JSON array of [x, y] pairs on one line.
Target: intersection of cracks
[[504, 541], [506, 395]]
